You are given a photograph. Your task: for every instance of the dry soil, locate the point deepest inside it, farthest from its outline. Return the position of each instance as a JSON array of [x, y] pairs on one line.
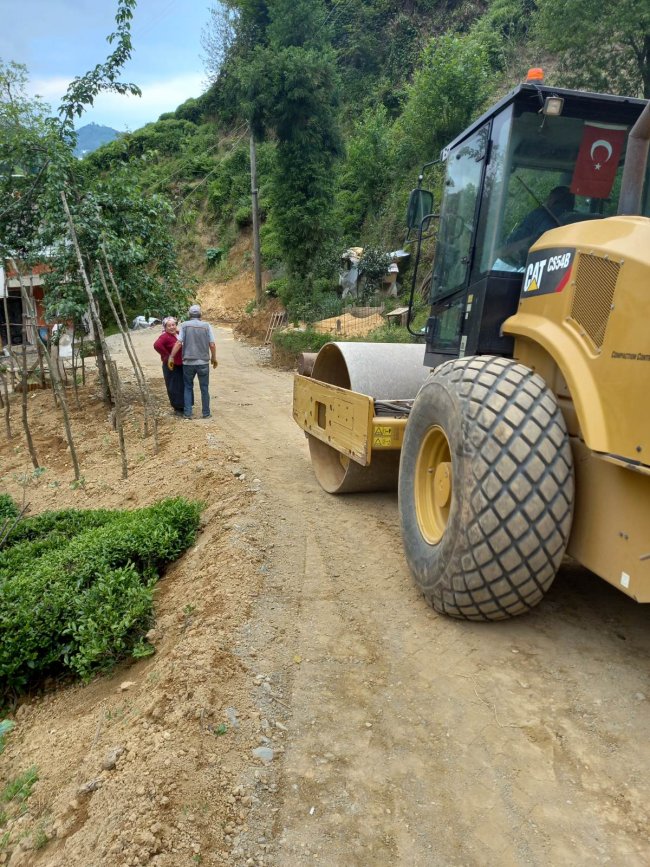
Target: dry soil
[[390, 735]]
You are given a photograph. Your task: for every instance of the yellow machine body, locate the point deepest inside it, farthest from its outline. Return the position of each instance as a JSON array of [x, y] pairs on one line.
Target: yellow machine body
[[588, 336], [344, 419], [595, 329]]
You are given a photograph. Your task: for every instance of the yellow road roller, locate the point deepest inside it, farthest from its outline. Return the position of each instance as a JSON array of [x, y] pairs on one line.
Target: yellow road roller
[[518, 429]]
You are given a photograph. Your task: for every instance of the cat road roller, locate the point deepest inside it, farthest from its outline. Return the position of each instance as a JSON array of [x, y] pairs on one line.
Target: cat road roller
[[521, 430]]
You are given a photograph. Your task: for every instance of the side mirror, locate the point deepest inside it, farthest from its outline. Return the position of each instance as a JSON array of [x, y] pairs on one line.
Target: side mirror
[[420, 204]]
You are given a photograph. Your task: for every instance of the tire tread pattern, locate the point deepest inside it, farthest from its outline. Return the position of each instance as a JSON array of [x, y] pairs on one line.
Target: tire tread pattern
[[518, 515]]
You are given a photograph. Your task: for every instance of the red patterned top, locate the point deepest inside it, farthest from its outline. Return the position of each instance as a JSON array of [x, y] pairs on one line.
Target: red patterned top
[[164, 346]]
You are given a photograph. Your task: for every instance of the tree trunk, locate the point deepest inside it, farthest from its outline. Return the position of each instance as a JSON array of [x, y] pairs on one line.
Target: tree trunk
[[134, 357], [7, 408], [28, 433], [103, 352], [28, 304]]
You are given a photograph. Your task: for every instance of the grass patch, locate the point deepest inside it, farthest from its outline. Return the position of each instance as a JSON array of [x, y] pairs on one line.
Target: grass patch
[[287, 345], [18, 790], [6, 725], [76, 587], [300, 341]]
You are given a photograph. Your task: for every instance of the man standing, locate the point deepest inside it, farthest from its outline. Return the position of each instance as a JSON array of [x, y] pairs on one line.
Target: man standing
[[199, 350]]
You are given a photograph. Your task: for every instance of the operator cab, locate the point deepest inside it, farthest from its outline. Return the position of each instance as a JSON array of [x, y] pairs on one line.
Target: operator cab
[[542, 157]]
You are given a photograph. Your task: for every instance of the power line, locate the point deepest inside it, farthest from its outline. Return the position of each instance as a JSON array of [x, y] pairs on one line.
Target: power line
[[149, 25]]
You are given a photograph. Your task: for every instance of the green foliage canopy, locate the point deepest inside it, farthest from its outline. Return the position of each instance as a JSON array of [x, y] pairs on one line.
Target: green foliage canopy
[[601, 46], [37, 164]]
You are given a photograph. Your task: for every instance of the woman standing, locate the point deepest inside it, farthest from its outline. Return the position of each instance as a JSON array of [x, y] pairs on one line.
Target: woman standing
[[173, 378]]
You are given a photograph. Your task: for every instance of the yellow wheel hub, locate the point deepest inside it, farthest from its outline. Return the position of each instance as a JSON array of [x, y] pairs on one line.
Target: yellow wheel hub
[[433, 485]]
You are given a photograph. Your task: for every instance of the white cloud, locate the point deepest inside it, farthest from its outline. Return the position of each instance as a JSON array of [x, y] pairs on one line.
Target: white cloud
[[127, 112], [51, 89]]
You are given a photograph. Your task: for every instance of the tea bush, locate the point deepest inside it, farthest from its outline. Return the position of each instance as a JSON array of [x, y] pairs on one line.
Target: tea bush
[[8, 508], [76, 586]]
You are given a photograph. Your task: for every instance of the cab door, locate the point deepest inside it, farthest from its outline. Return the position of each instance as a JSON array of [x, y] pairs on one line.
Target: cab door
[[455, 243]]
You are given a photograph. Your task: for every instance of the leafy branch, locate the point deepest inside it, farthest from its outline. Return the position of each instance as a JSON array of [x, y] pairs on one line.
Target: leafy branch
[[83, 90]]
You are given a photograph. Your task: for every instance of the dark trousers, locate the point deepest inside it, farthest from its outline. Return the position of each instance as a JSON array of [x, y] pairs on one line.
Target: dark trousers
[[202, 371], [175, 386]]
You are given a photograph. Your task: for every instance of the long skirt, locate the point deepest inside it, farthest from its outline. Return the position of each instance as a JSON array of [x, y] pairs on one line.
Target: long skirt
[[175, 388]]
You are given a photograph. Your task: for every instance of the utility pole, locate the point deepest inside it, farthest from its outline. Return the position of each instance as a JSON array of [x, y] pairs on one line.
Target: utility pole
[[259, 295]]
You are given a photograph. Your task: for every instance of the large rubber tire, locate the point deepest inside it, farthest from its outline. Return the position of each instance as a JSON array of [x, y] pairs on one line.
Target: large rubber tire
[[491, 549]]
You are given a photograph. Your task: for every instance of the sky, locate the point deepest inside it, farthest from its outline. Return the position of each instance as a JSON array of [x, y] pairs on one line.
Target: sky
[[60, 39]]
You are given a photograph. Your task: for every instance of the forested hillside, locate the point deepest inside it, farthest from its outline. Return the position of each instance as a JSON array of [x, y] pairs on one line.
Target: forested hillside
[[346, 100]]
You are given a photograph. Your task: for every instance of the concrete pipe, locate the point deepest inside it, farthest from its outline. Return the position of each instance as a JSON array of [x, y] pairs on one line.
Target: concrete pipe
[[384, 371]]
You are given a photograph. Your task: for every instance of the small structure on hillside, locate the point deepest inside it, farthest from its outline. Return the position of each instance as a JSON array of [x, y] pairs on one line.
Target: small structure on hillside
[[351, 274]]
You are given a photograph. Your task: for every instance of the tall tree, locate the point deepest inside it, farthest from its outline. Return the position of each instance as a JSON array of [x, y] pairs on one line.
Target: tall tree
[[602, 46], [290, 90]]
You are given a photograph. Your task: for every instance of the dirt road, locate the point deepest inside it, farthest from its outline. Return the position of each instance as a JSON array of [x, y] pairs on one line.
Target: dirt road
[[414, 739], [398, 737]]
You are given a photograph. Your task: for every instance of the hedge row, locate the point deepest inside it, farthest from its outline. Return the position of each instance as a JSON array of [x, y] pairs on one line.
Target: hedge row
[[295, 342], [76, 586]]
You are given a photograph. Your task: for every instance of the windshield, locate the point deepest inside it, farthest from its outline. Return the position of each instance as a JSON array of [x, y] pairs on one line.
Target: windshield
[[547, 172]]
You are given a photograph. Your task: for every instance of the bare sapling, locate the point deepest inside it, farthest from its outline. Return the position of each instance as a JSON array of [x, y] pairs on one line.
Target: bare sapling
[[6, 337], [4, 376], [82, 358], [57, 385], [113, 380], [119, 414], [74, 365], [103, 352], [25, 389], [39, 350], [130, 351], [134, 355]]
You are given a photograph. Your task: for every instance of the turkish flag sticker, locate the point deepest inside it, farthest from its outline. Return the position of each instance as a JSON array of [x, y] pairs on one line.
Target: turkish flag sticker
[[597, 162]]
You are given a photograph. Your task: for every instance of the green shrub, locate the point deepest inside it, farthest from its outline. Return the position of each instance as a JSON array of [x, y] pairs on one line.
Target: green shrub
[[214, 255], [300, 341], [76, 587], [8, 509], [244, 215], [6, 725], [373, 266], [276, 287], [291, 343], [66, 522], [20, 788], [390, 334]]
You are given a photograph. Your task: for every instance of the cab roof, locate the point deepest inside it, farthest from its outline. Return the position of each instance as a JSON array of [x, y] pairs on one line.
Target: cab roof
[[605, 107]]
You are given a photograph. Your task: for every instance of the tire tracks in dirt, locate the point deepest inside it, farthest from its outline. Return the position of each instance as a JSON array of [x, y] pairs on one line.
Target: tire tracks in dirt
[[415, 739]]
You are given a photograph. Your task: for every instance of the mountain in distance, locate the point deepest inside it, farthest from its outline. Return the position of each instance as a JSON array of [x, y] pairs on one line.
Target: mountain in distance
[[93, 135]]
